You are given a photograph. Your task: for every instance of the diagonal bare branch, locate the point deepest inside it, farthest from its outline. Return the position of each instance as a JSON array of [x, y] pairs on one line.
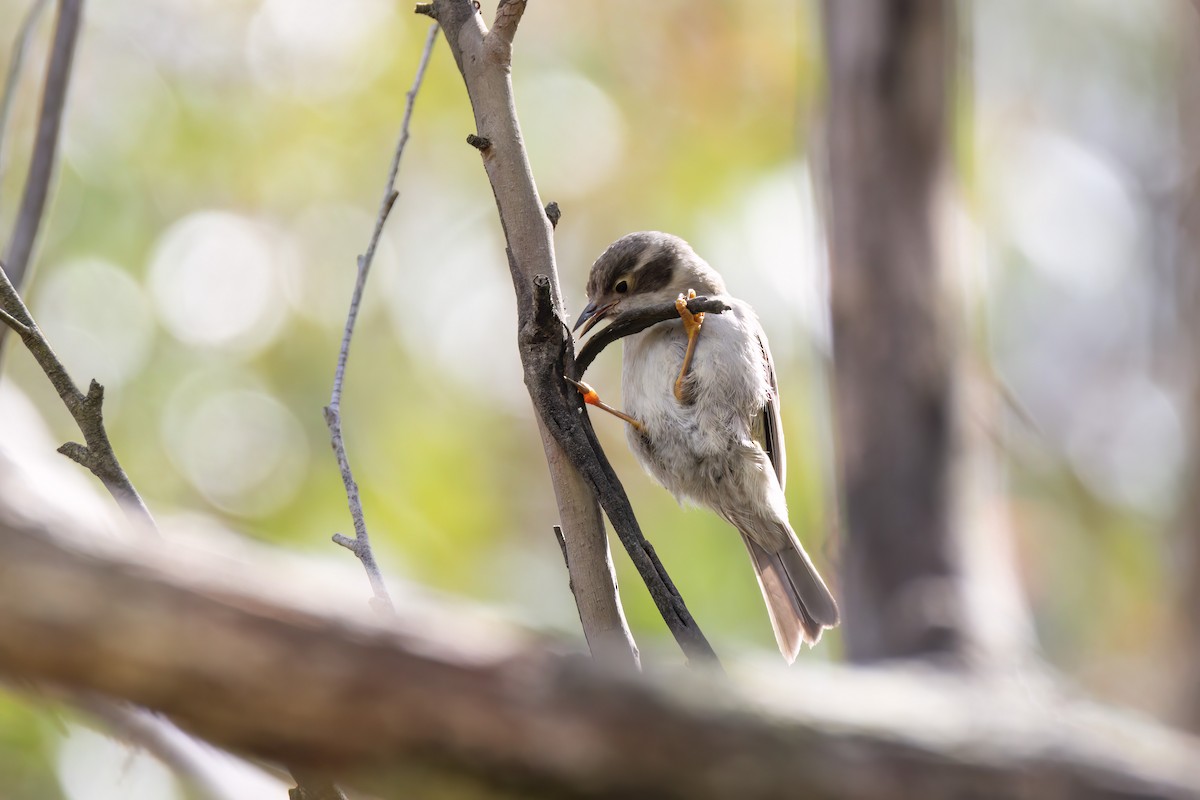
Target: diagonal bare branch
[[87, 409]]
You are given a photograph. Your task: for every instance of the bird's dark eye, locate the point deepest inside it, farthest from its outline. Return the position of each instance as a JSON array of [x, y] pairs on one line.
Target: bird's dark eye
[[622, 287]]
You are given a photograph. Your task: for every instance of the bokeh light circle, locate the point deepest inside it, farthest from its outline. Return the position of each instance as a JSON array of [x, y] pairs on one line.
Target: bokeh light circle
[[100, 318], [214, 278], [240, 448]]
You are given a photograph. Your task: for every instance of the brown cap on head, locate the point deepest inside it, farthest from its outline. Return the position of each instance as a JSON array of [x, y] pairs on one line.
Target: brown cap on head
[[642, 268], [654, 257]]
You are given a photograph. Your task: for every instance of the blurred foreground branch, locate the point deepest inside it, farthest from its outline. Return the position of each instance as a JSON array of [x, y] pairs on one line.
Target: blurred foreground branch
[[397, 706]]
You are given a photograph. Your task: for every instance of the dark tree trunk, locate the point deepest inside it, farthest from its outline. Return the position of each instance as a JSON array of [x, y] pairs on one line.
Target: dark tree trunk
[[889, 67]]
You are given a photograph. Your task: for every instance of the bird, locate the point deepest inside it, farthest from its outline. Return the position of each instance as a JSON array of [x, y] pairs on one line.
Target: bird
[[701, 401]]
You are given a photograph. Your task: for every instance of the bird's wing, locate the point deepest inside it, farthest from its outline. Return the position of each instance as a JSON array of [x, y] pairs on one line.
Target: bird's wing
[[766, 425]]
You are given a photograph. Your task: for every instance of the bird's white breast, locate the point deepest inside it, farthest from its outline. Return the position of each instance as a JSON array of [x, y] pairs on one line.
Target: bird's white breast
[[689, 447]]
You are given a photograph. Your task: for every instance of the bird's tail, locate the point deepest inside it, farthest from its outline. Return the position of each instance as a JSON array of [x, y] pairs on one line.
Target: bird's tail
[[799, 604]]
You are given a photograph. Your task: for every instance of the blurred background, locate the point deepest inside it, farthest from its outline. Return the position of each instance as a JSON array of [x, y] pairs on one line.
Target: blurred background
[[221, 167]]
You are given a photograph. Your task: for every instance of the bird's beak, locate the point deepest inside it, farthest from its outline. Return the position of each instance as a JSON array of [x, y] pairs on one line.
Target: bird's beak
[[591, 315]]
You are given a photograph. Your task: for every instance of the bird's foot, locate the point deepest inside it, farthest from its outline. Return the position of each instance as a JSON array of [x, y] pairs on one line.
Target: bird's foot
[[593, 399], [691, 324]]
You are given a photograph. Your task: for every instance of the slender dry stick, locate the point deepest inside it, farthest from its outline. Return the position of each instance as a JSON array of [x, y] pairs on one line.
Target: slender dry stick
[[635, 322], [360, 545], [20, 44], [45, 149]]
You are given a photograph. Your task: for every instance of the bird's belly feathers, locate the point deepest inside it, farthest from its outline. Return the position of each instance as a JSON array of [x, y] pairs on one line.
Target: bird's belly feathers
[[698, 450]]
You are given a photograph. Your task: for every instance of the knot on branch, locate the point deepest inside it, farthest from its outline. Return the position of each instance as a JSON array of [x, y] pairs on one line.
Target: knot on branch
[[332, 416], [78, 453], [95, 398], [553, 213], [544, 324], [480, 143]]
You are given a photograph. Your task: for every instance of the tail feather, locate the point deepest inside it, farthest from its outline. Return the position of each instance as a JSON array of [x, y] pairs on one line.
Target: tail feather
[[798, 602]]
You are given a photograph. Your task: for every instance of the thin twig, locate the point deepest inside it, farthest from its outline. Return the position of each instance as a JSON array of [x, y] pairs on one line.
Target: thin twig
[[45, 149], [635, 322], [87, 409], [360, 545], [19, 46]]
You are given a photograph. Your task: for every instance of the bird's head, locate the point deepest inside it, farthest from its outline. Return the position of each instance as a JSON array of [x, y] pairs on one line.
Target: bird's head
[[642, 270]]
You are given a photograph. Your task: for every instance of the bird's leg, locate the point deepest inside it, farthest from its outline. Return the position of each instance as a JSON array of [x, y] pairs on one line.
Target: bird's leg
[[691, 324], [592, 399]]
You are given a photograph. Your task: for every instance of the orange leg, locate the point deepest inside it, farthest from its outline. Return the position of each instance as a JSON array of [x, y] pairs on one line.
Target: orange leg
[[691, 324], [592, 399]]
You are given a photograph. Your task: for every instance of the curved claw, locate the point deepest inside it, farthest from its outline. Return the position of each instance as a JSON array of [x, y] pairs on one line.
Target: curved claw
[[691, 324]]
